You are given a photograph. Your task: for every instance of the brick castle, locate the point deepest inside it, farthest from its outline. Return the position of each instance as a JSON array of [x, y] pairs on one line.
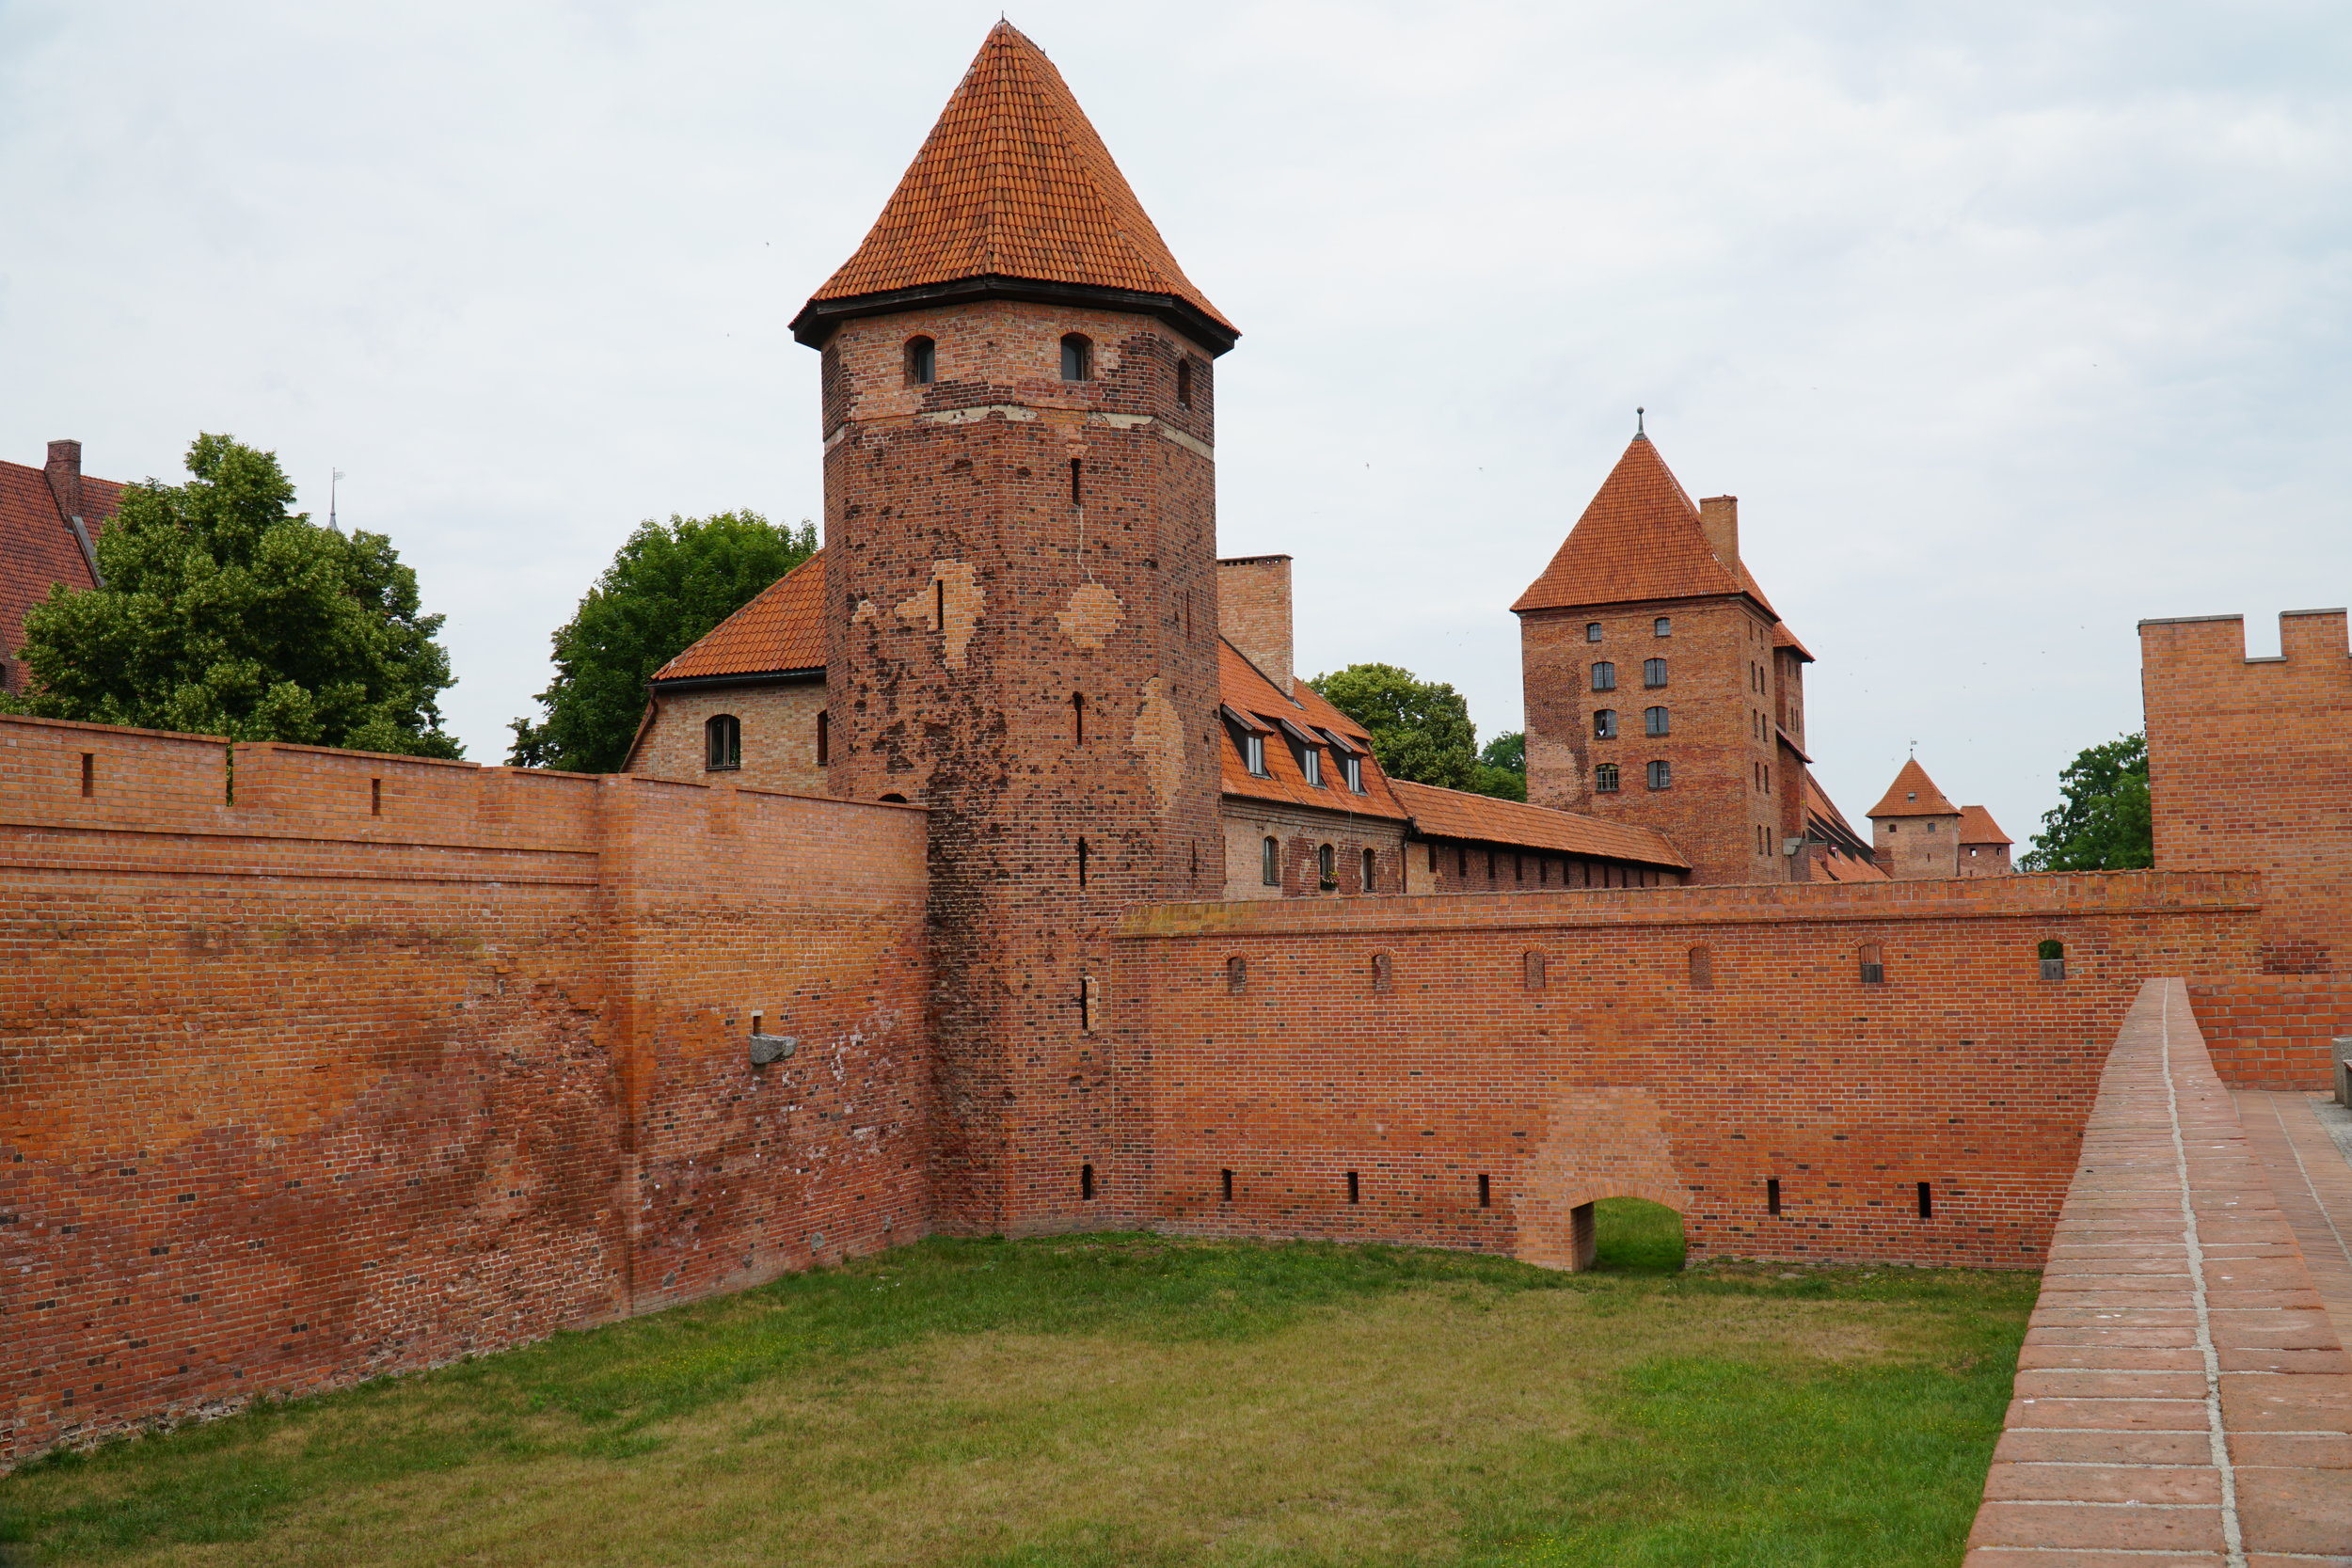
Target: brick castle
[[995, 872]]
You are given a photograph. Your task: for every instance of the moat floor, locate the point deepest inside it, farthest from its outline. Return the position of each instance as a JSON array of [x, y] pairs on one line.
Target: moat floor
[[1126, 1400]]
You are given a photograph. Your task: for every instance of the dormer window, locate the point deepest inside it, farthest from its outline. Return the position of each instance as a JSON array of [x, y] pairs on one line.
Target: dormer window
[[922, 361], [1077, 357], [1253, 755], [1311, 765], [1353, 767]]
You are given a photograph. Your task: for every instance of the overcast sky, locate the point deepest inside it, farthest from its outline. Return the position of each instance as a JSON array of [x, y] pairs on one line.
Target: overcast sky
[[2008, 324]]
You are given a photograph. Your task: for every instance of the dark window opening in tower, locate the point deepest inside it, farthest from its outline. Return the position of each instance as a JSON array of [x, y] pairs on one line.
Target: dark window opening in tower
[[1077, 357], [922, 361], [939, 604], [824, 738], [1184, 384], [1082, 863], [1077, 496], [1079, 716], [723, 742]]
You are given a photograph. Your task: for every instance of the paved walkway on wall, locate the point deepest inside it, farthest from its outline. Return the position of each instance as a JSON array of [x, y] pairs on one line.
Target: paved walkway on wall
[[2182, 1397], [2311, 1171]]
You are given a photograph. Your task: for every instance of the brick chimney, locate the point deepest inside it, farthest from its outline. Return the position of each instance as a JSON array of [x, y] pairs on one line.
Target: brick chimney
[[64, 469], [1254, 612], [1718, 519]]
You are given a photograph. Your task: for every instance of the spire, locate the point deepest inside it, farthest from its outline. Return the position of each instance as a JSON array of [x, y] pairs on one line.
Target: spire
[[1913, 794], [1639, 539], [1014, 195]]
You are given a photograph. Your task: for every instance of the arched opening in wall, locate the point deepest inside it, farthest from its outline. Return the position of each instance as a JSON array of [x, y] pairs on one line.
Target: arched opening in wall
[[1077, 357], [1632, 1235], [1371, 868], [1328, 867], [2052, 952], [1270, 861], [922, 361], [723, 742]]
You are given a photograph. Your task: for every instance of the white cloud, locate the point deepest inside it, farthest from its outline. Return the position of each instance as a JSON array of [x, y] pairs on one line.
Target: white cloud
[[2008, 324]]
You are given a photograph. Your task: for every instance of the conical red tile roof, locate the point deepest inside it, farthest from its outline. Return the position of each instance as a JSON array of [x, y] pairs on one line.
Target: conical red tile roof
[[1639, 539], [1913, 794], [1013, 184]]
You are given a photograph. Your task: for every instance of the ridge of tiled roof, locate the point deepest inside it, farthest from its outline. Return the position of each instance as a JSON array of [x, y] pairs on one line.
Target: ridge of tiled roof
[[782, 628], [1924, 798], [1439, 813], [1638, 539], [1977, 826], [1012, 183]]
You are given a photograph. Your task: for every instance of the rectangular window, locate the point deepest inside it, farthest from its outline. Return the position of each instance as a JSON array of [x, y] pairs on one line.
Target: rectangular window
[[1485, 1192], [1605, 723], [1654, 722], [1355, 1190], [1927, 1201], [1604, 676], [1653, 672], [1772, 1196], [1355, 767], [1253, 755], [1225, 1180], [1311, 765], [1661, 774], [1270, 861], [824, 738], [89, 774], [1605, 779]]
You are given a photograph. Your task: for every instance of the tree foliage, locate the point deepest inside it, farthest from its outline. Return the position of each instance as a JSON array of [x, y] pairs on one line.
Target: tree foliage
[[1422, 731], [2101, 822], [224, 612], [668, 585]]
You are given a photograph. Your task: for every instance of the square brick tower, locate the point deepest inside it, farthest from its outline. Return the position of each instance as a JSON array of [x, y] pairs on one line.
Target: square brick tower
[[1022, 618], [1662, 688], [1915, 829]]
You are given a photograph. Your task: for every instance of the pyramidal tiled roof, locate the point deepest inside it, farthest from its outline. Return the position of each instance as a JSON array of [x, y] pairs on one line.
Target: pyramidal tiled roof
[[1977, 826], [782, 629], [1013, 183], [1913, 794], [1639, 539]]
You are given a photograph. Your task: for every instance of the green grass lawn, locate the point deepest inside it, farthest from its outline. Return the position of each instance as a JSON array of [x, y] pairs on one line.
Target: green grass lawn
[[1086, 1401]]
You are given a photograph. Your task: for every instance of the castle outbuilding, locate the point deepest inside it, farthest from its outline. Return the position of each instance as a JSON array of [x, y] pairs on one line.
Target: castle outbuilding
[[1919, 833]]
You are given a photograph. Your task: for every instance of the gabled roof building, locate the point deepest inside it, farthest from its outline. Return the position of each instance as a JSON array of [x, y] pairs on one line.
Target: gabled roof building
[[50, 520]]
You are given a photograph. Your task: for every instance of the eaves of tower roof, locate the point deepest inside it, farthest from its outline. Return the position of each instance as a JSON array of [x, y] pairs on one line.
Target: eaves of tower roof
[[1913, 794], [1977, 826], [1013, 195], [780, 631]]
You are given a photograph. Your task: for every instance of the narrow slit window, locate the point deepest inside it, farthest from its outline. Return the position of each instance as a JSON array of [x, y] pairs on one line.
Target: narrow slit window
[[1927, 1201], [939, 604], [723, 742], [1485, 1190], [1082, 863], [1086, 1183], [1354, 1188], [1328, 867], [1077, 490], [1079, 716], [1225, 1180], [1184, 384], [1372, 866], [1077, 357], [824, 738], [1270, 861], [922, 361], [1772, 1195], [89, 774], [1089, 1004], [376, 797]]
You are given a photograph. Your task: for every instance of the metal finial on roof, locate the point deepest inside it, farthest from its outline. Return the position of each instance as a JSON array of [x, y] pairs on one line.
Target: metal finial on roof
[[335, 478], [1638, 431]]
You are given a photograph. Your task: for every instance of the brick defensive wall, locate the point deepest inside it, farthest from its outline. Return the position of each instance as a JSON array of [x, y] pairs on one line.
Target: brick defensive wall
[[1471, 1071], [392, 1061], [2246, 768]]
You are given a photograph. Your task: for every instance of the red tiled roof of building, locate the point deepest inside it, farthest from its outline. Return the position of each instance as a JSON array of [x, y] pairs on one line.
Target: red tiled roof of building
[[1977, 826], [1639, 539], [1843, 855], [1014, 183], [1456, 814], [1835, 865], [38, 549], [1913, 794], [1243, 689], [783, 628]]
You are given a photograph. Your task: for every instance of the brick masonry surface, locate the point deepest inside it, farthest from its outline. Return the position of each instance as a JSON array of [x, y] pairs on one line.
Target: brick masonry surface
[[2182, 1398], [392, 1061], [1560, 1045]]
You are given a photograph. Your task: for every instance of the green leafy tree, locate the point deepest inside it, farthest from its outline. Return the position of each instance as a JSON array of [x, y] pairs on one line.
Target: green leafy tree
[[669, 584], [226, 612], [1502, 766], [1421, 730], [2101, 823]]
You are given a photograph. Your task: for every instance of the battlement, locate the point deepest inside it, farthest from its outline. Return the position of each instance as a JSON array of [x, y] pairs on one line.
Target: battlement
[[2311, 642]]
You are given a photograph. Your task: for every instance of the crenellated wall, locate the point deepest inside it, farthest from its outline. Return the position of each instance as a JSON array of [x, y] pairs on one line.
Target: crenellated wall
[[384, 1061]]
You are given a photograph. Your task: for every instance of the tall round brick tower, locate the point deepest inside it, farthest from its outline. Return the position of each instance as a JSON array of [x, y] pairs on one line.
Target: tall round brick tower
[[1021, 622]]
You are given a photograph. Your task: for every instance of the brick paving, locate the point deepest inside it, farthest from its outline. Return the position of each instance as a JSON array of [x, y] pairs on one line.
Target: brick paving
[[2183, 1396], [2312, 1178]]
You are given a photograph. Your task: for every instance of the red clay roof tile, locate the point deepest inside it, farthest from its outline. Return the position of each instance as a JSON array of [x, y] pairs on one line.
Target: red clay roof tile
[[1639, 539], [1977, 826], [1243, 689], [1014, 182], [783, 628], [37, 547], [1456, 813], [1913, 794]]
